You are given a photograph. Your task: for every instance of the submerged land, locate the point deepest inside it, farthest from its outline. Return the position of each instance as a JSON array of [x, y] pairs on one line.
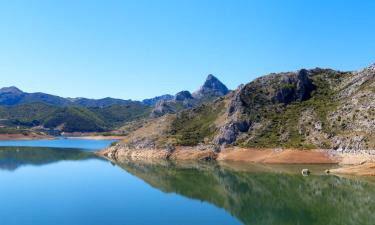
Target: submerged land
[[307, 116]]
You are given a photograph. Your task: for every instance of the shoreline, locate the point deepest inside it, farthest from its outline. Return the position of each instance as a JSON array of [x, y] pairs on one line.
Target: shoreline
[[234, 154], [22, 137], [31, 137], [360, 163], [93, 137]]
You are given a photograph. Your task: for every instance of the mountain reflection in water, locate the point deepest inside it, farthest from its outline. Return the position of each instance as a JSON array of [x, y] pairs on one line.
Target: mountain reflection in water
[[260, 194], [11, 158]]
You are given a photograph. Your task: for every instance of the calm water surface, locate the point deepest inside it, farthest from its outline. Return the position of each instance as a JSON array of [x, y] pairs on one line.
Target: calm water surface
[[63, 182]]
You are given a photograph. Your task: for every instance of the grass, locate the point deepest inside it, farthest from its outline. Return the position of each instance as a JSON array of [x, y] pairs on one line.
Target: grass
[[73, 118], [192, 127]]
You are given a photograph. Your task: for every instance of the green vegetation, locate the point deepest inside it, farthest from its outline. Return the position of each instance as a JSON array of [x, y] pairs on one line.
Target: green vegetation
[[191, 127], [74, 119], [71, 118], [282, 129], [117, 115], [12, 130], [114, 143]]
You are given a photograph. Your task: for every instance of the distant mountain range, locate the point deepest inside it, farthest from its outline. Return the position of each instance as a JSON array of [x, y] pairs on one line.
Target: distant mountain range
[[45, 111], [10, 96]]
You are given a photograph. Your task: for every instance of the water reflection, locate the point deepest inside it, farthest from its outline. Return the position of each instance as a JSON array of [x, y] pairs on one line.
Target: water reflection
[[259, 194], [11, 158]]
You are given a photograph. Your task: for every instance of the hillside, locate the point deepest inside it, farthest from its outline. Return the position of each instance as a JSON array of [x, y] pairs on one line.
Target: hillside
[[317, 108], [70, 118]]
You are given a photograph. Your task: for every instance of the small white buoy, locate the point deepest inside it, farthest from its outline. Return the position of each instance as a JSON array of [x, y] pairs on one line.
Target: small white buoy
[[305, 172]]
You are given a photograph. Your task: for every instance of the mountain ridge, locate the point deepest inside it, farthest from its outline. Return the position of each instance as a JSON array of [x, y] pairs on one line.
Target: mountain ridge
[[44, 111]]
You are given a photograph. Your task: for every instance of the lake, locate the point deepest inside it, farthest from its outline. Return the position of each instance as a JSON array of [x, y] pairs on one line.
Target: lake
[[63, 182]]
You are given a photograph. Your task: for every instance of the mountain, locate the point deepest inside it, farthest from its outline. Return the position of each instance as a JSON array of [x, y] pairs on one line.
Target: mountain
[[10, 90], [104, 102], [13, 96], [210, 90], [10, 96], [316, 108]]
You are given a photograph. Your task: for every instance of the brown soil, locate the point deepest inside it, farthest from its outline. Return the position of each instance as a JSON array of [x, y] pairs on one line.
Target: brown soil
[[354, 164], [267, 156], [272, 156], [366, 169], [98, 137]]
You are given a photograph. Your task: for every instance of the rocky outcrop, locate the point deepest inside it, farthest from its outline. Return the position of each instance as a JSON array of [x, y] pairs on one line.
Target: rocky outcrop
[[162, 107], [183, 96], [265, 91], [153, 101], [211, 88], [236, 121]]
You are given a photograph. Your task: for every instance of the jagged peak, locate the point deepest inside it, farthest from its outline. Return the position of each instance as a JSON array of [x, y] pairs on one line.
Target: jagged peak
[[11, 89], [212, 85], [211, 79]]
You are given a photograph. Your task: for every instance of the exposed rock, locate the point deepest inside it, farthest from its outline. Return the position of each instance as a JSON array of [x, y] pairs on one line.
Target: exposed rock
[[161, 108], [153, 101], [236, 121], [211, 88], [269, 90], [183, 95]]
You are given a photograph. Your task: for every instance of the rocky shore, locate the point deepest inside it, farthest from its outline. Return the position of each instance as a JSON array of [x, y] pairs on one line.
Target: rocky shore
[[358, 163]]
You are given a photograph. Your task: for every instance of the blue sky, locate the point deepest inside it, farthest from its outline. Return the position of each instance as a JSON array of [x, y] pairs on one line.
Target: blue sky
[[139, 49]]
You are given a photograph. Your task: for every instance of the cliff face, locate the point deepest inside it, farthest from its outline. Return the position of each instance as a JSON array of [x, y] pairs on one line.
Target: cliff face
[[318, 108]]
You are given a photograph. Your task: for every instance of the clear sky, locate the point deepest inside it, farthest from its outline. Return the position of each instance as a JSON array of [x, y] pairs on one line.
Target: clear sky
[[139, 49]]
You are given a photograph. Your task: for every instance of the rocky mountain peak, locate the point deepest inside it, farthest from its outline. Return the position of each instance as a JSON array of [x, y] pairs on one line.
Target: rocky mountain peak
[[212, 87], [183, 95], [215, 84], [10, 90]]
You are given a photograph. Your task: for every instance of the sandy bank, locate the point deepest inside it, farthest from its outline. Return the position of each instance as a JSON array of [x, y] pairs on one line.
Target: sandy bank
[[22, 137], [98, 137], [272, 156]]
